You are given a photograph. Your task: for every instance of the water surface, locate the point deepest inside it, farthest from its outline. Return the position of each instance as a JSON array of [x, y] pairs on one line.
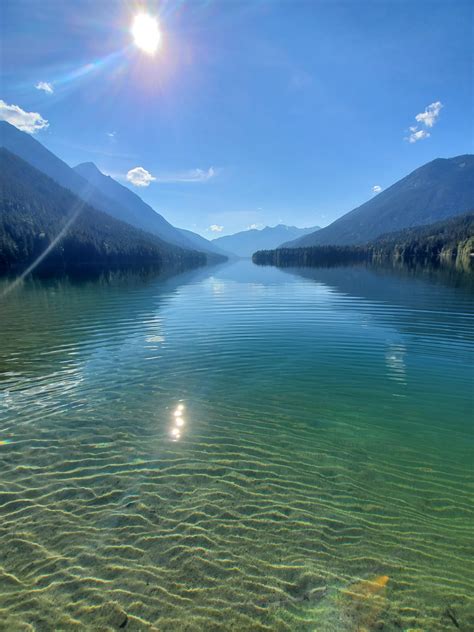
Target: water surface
[[326, 443]]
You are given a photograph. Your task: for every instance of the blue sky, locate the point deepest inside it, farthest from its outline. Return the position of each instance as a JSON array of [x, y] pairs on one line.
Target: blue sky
[[250, 113]]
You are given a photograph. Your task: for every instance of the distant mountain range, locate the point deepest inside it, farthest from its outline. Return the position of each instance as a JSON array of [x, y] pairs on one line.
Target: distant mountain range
[[438, 190], [36, 210], [41, 181], [100, 191], [246, 242]]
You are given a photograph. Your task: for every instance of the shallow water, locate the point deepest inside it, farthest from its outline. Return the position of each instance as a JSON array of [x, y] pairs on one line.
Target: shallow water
[[326, 443]]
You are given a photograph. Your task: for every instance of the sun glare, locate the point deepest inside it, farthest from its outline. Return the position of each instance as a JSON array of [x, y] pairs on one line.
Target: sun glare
[[146, 33]]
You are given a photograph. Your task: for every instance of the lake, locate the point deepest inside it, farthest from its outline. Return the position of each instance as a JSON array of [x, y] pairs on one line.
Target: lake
[[237, 448]]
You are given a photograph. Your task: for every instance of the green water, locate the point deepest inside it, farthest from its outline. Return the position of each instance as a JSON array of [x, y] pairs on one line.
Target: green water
[[326, 442]]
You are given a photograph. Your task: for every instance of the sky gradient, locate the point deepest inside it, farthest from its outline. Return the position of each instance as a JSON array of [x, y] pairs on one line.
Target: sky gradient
[[251, 113]]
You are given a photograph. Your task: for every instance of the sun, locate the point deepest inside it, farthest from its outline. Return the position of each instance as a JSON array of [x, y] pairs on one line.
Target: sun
[[146, 33]]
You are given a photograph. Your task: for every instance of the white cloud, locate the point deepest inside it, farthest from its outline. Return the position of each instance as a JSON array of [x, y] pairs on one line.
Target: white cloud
[[192, 175], [45, 86], [417, 134], [430, 115], [140, 177], [254, 226], [376, 188], [215, 228], [111, 134], [427, 118], [30, 122]]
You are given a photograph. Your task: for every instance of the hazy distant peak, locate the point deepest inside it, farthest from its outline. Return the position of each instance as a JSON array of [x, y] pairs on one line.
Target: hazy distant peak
[[90, 171], [88, 166], [246, 242]]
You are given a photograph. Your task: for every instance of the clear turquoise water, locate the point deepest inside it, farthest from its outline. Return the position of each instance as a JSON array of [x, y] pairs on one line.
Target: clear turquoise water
[[326, 442]]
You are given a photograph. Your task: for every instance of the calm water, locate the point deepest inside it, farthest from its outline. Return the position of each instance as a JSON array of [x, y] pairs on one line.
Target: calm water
[[321, 478]]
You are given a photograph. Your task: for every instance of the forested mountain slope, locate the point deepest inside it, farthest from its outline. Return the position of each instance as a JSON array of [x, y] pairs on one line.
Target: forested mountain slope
[[34, 210], [438, 190]]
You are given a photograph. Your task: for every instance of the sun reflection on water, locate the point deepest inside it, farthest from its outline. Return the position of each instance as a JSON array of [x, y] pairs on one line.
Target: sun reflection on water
[[178, 423]]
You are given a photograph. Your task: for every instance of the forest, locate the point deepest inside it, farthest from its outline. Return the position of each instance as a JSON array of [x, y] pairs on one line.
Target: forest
[[449, 242], [35, 210]]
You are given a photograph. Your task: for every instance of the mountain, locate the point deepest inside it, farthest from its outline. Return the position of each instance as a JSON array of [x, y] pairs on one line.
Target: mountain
[[447, 242], [24, 146], [142, 214], [245, 243], [34, 210], [204, 245], [101, 192], [438, 190]]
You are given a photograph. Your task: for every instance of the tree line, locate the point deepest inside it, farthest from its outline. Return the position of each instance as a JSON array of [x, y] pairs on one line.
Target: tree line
[[449, 242]]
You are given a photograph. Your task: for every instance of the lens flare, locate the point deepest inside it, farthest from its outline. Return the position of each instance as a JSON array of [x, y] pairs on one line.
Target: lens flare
[[146, 33]]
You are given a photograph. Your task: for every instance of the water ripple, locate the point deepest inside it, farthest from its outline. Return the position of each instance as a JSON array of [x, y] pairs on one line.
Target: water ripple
[[237, 448]]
